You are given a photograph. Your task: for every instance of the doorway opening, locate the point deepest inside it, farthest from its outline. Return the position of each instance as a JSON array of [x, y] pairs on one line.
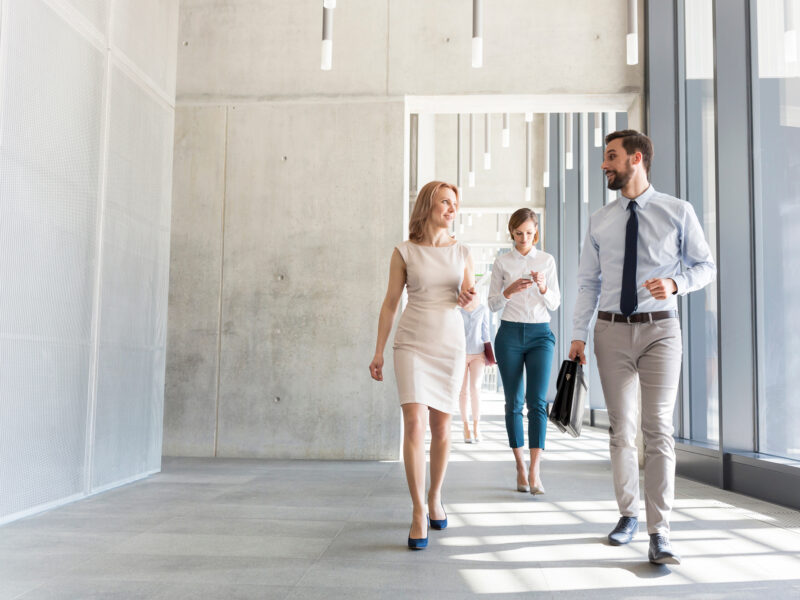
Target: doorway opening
[[505, 152]]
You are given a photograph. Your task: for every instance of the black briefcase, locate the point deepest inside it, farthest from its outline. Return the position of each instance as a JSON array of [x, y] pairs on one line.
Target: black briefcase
[[571, 390]]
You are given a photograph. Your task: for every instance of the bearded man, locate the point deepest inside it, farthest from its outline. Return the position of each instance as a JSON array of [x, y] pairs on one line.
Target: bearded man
[[641, 251]]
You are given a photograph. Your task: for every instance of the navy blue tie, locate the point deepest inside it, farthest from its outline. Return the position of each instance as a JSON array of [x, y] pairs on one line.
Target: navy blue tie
[[627, 300]]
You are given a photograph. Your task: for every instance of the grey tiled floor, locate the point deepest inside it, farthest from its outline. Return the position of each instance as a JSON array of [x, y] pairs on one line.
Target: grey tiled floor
[[235, 529]]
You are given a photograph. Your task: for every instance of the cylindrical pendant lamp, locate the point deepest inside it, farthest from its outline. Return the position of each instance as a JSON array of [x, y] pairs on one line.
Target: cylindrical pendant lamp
[[632, 38], [790, 31], [327, 38], [611, 118], [611, 126], [546, 174], [458, 151], [487, 153], [568, 141], [471, 174], [584, 170], [477, 34], [528, 146], [598, 130]]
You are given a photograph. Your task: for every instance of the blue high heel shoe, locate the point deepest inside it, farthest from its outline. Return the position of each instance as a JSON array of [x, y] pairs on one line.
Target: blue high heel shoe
[[417, 543], [438, 523]]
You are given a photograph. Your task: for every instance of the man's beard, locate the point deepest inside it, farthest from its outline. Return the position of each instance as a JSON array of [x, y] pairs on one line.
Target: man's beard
[[620, 179]]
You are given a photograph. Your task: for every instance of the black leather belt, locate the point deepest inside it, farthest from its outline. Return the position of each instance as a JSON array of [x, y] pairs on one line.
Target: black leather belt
[[637, 317]]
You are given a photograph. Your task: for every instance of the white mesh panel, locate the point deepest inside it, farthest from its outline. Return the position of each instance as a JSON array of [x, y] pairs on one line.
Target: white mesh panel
[[146, 31], [50, 99], [95, 11], [134, 285], [127, 415], [43, 415]]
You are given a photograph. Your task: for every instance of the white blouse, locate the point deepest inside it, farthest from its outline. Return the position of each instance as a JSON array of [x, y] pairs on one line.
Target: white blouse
[[528, 306]]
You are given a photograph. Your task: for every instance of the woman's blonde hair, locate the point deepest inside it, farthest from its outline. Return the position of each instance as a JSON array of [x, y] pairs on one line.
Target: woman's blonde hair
[[519, 217], [423, 207]]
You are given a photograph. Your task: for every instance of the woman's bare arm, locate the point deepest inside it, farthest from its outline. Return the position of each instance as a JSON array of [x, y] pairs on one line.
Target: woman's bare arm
[[397, 281]]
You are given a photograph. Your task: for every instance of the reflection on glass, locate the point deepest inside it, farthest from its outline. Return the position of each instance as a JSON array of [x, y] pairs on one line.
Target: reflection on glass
[[776, 89], [703, 403]]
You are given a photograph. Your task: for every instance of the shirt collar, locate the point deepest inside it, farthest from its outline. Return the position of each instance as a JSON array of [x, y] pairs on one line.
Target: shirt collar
[[531, 254], [641, 200]]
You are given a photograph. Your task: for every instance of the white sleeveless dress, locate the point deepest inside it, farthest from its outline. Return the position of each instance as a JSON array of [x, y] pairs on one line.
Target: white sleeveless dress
[[429, 345]]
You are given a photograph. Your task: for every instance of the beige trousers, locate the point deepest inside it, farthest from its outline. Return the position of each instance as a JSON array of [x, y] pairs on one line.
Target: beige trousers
[[649, 355]]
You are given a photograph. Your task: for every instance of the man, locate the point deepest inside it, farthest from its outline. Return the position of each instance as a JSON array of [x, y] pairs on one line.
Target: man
[[641, 251]]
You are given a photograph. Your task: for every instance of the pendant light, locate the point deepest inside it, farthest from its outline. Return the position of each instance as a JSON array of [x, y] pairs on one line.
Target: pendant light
[[611, 126], [528, 142], [598, 130], [632, 39], [546, 174], [568, 141], [327, 34], [487, 154], [458, 151], [584, 170], [790, 32], [477, 34], [471, 174]]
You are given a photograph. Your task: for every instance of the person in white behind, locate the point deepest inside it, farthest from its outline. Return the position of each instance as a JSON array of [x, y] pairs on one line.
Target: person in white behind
[[476, 332], [524, 286]]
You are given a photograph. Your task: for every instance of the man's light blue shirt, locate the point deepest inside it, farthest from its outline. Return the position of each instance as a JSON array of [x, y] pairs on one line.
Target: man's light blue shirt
[[671, 244]]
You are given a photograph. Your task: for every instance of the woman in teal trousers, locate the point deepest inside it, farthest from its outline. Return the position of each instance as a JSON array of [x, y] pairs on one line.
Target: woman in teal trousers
[[524, 286]]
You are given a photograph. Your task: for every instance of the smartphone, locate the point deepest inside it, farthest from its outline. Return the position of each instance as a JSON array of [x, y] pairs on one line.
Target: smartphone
[[527, 276]]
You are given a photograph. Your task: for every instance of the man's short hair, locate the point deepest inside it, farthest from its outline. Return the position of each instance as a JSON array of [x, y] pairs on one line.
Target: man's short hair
[[634, 141]]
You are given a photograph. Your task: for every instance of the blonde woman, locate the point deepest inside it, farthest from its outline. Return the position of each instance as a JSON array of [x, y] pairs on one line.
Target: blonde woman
[[429, 345], [525, 287]]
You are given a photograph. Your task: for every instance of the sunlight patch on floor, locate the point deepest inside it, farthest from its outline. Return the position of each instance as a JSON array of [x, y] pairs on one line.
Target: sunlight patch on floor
[[504, 581], [496, 540], [514, 520]]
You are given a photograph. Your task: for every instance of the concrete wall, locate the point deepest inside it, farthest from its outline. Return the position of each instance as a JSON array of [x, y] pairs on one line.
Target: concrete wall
[[306, 244], [87, 90], [289, 196]]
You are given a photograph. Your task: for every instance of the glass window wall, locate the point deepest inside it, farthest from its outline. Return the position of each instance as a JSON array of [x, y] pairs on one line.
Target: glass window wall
[[702, 404], [776, 137]]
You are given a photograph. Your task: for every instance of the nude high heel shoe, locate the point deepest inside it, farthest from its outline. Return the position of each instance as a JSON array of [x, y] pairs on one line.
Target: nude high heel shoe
[[536, 487], [467, 434], [522, 487]]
